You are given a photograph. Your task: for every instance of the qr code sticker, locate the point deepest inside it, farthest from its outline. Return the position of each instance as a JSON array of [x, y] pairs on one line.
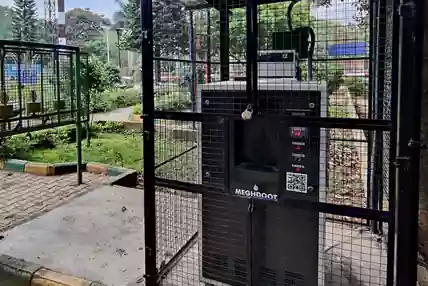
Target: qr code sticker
[[296, 182]]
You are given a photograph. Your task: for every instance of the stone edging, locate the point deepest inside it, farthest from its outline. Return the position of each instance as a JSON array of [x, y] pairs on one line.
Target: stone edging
[[18, 272], [46, 169]]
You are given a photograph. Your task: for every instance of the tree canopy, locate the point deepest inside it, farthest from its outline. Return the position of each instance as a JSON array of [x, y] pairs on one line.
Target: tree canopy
[[25, 21]]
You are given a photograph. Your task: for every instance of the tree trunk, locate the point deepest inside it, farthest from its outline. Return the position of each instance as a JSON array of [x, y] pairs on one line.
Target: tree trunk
[[423, 193]]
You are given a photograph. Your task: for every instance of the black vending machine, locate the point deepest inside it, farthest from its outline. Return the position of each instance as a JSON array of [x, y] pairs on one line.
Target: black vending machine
[[248, 236]]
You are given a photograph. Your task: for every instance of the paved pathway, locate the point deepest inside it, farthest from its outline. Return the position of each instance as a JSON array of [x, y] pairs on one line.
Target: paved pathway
[[118, 115], [24, 196]]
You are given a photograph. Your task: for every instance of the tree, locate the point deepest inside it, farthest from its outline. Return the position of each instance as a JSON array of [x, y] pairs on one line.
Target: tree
[[24, 21], [169, 20], [5, 23], [82, 26]]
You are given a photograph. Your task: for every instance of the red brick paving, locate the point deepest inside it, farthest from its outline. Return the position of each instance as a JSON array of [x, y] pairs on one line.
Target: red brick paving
[[24, 196]]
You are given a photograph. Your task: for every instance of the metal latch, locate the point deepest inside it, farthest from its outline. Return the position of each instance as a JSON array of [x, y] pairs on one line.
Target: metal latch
[[417, 144], [407, 10]]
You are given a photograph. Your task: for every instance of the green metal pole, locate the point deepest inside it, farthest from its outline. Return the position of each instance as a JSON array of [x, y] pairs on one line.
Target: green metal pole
[[88, 102], [58, 85], [78, 120], [72, 83]]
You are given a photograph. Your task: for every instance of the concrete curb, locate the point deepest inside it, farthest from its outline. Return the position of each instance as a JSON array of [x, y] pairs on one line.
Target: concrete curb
[[128, 179], [18, 272], [45, 169]]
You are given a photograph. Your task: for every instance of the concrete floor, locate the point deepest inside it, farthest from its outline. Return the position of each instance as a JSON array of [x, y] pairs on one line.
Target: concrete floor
[[98, 236]]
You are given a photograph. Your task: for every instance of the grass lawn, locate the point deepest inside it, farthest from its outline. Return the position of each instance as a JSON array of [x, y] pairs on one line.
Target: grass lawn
[[112, 149]]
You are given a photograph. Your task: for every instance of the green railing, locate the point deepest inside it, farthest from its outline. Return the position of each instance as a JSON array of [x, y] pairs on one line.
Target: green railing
[[42, 86]]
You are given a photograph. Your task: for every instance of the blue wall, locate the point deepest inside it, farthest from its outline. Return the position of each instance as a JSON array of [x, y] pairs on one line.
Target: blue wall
[[28, 76], [349, 49]]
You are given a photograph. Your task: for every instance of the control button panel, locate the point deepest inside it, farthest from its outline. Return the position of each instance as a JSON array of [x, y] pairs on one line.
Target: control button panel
[[300, 133]]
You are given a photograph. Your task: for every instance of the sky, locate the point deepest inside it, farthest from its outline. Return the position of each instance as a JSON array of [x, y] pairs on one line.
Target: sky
[[340, 10]]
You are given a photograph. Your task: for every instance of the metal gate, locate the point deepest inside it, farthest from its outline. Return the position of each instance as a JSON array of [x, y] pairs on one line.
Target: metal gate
[[274, 158]]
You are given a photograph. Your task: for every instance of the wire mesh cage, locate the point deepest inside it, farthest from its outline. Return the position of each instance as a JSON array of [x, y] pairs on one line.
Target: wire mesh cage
[[39, 86], [272, 137]]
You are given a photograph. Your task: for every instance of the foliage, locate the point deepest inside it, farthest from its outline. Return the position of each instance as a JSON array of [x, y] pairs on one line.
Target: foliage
[[99, 76], [169, 22], [94, 76], [18, 146], [110, 100], [136, 109], [357, 86], [83, 25], [5, 22], [173, 99], [24, 21], [108, 127], [112, 74], [330, 72], [107, 148]]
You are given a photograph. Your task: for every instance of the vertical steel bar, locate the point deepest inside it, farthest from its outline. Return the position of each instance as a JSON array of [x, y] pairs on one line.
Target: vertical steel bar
[[378, 111], [88, 102], [224, 43], [192, 50], [372, 78], [58, 85], [20, 85], [42, 83], [146, 18], [251, 51], [409, 128], [394, 47], [251, 87], [73, 82], [208, 45], [3, 80], [78, 120]]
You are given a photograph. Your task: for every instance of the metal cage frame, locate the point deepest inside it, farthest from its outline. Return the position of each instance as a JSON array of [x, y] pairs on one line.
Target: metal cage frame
[[404, 37]]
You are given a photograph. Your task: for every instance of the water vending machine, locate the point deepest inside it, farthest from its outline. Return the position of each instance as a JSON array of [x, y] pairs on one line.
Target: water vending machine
[[247, 234]]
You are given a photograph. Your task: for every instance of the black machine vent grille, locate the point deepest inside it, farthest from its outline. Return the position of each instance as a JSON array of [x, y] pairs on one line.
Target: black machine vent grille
[[268, 276], [293, 279]]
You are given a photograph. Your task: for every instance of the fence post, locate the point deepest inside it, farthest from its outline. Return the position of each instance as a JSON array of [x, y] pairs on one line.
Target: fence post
[[149, 142], [408, 131], [78, 119]]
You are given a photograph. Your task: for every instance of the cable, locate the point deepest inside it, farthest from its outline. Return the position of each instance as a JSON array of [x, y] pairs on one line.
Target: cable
[[303, 30]]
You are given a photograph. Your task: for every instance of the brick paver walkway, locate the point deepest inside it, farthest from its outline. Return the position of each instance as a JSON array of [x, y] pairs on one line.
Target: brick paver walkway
[[25, 196]]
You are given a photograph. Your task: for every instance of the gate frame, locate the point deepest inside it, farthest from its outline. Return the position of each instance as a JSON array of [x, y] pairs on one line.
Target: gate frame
[[407, 44], [409, 97]]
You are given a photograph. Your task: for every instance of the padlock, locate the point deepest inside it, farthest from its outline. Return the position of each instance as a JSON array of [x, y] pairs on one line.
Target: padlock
[[248, 113]]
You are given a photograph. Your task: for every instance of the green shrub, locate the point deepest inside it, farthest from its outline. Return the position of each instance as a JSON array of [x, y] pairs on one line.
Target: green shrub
[[136, 109], [357, 86], [173, 100], [110, 100], [329, 72], [18, 146], [107, 127]]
